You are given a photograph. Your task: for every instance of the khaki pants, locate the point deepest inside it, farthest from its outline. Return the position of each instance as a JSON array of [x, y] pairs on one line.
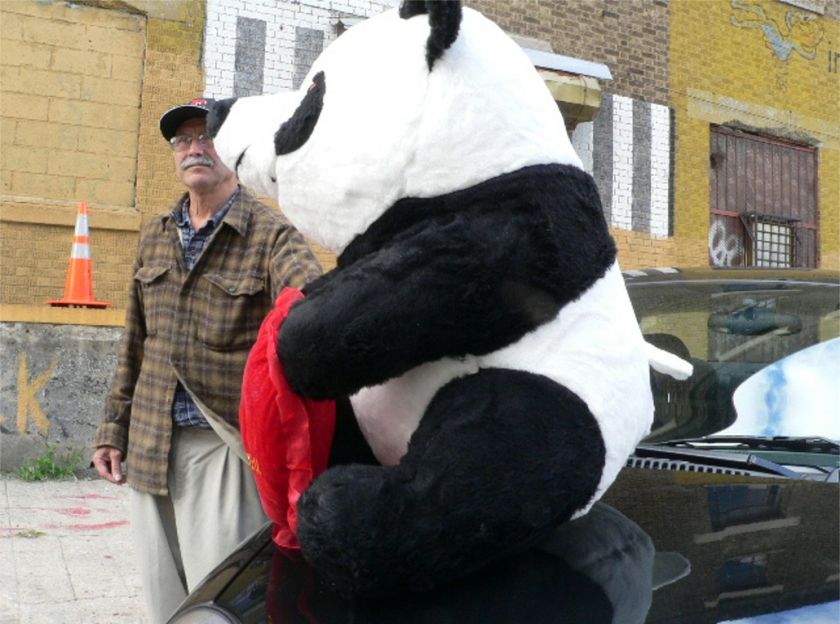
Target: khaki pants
[[212, 506]]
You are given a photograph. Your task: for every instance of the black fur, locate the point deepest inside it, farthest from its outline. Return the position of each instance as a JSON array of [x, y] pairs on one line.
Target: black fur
[[410, 8], [445, 21], [445, 18], [296, 130], [500, 458], [464, 273], [217, 114]]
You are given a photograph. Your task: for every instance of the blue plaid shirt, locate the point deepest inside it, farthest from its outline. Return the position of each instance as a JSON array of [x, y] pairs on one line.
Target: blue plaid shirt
[[185, 412]]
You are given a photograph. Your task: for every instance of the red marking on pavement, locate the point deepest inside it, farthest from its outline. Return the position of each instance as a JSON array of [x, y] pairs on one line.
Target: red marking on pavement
[[89, 527], [10, 529], [74, 511], [66, 511]]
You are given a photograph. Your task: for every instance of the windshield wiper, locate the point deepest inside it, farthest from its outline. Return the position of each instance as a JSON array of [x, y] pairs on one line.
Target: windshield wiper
[[763, 443]]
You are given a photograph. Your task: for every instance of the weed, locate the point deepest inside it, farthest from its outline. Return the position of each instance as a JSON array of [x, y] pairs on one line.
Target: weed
[[30, 533], [50, 466]]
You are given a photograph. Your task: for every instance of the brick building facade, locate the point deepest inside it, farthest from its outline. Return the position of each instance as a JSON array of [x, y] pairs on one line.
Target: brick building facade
[[628, 147], [692, 80], [84, 84], [263, 46], [676, 107], [754, 89], [83, 87]]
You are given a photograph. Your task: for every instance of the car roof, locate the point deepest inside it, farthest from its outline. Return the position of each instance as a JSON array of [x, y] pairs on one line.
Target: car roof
[[674, 274]]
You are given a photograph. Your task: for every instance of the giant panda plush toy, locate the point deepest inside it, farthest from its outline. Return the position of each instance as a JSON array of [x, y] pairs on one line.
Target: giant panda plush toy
[[477, 316]]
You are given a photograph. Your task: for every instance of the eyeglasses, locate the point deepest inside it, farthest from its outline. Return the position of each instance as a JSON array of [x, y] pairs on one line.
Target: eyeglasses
[[182, 142]]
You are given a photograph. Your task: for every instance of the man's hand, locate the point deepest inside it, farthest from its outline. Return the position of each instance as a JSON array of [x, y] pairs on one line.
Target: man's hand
[[108, 462]]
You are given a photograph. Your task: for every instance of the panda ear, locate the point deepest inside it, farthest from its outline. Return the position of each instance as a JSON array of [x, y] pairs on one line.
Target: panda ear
[[444, 18], [219, 110], [410, 8]]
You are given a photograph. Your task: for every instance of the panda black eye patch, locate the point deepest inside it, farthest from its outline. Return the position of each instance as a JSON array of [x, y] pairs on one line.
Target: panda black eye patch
[[296, 130], [239, 162]]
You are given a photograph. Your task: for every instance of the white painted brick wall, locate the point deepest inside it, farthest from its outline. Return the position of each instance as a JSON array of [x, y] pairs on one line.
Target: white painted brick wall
[[622, 184], [660, 168], [582, 142], [281, 18]]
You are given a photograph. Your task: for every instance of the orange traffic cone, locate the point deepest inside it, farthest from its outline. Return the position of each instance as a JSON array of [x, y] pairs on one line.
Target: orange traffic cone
[[78, 289]]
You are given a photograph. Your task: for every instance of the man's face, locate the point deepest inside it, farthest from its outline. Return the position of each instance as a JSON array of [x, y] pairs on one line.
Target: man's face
[[198, 166]]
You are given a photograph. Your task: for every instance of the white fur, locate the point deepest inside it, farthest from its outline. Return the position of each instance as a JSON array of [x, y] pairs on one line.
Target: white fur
[[606, 375], [668, 363], [247, 131], [389, 128]]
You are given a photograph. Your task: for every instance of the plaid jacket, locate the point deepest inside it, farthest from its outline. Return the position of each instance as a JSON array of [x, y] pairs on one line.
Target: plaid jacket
[[197, 326]]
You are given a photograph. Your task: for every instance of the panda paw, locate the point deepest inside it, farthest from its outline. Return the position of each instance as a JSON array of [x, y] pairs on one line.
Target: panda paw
[[348, 527]]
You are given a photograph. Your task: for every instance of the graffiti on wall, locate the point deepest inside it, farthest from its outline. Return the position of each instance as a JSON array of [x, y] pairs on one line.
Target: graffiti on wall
[[725, 249], [800, 33], [28, 405]]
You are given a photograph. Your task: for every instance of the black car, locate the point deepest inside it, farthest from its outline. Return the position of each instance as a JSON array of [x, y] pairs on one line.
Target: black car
[[727, 512]]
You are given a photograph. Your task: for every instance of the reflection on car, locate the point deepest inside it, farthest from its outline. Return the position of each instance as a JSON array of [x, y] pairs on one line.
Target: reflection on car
[[793, 396], [727, 511]]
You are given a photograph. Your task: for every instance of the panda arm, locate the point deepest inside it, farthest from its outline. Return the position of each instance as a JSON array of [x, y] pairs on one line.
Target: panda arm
[[468, 283], [380, 317]]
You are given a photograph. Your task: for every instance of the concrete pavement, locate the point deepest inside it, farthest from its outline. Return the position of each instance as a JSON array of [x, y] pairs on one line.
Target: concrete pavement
[[66, 554]]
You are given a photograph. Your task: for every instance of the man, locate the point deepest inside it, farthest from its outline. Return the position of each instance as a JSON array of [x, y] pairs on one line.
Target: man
[[206, 274]]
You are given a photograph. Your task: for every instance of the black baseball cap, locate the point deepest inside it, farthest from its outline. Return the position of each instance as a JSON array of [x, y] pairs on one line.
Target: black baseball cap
[[177, 115]]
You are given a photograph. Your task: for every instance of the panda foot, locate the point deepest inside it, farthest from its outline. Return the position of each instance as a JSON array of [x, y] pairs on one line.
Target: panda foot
[[348, 527]]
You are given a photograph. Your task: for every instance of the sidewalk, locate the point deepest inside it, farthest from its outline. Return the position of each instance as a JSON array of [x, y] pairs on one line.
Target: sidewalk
[[66, 554]]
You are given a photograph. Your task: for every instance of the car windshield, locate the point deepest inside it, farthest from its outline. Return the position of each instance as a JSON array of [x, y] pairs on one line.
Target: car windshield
[[765, 352]]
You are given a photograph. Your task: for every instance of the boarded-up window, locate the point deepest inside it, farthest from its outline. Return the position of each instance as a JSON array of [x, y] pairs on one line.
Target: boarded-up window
[[309, 43], [763, 201], [249, 63]]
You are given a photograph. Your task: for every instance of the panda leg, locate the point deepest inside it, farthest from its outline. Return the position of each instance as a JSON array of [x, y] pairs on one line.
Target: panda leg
[[499, 459]]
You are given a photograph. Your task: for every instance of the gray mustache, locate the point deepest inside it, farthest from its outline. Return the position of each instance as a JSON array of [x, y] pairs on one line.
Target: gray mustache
[[197, 160]]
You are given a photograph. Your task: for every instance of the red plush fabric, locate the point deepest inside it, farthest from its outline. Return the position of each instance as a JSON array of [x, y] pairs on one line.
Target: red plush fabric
[[287, 437]]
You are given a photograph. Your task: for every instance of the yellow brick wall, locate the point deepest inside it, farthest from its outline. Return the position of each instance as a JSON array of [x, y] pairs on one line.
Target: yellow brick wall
[[71, 80], [175, 76], [723, 73], [325, 257], [83, 88], [638, 250], [830, 204]]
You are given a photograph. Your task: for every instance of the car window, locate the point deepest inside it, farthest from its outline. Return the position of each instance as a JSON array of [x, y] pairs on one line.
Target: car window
[[729, 330], [795, 396]]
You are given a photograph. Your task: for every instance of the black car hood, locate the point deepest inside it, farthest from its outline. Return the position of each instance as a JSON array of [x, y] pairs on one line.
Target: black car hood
[[663, 546]]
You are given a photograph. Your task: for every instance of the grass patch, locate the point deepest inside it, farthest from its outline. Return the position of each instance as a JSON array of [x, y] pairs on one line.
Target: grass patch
[[30, 533], [50, 466]]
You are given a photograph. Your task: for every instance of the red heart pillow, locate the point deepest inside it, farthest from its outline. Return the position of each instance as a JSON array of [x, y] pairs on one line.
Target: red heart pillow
[[287, 438]]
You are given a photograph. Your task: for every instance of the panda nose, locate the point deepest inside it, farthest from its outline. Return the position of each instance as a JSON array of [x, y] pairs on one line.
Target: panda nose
[[217, 115]]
